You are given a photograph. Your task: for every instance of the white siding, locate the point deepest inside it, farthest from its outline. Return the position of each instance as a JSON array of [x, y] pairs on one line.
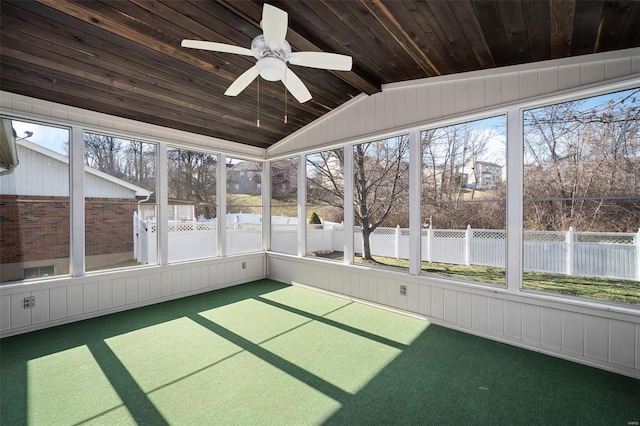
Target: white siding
[[600, 336], [422, 101], [37, 174]]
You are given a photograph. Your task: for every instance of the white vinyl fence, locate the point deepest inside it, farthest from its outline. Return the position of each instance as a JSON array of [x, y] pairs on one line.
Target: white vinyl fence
[[596, 254]]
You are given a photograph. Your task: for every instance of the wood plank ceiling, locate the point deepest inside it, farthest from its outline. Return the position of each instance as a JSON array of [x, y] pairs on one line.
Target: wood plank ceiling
[[123, 57]]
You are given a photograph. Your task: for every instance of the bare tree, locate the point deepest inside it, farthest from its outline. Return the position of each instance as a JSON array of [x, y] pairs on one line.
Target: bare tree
[[453, 162], [103, 153], [131, 161], [192, 177], [582, 164], [380, 182]]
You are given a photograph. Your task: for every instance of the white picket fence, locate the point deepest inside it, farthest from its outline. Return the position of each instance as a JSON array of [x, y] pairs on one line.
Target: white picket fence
[[595, 254]]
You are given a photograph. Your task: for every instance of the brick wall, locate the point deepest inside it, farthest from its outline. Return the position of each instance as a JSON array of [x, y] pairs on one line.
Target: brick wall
[[33, 228], [109, 225], [37, 228]]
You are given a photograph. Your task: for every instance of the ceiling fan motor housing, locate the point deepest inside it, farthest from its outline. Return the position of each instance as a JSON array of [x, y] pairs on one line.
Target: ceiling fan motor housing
[[271, 63]]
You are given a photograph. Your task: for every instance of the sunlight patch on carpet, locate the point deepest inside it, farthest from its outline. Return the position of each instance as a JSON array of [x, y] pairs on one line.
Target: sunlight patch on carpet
[[69, 387], [303, 299], [389, 325], [161, 354], [344, 359], [254, 320], [243, 389]]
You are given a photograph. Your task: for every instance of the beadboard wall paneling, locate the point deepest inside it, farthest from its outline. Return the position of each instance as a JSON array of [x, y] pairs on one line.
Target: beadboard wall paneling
[[413, 103], [592, 333], [64, 300]]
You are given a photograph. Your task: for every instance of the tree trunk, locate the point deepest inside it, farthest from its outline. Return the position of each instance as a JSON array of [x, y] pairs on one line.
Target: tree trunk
[[366, 245]]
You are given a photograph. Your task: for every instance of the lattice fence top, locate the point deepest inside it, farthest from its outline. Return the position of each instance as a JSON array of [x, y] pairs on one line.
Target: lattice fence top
[[385, 231], [627, 239], [544, 236], [181, 227], [454, 234], [206, 226], [244, 226], [489, 234]]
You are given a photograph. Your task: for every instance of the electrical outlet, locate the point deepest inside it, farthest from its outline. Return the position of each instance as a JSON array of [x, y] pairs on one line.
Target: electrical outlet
[[403, 290], [29, 302], [244, 265]]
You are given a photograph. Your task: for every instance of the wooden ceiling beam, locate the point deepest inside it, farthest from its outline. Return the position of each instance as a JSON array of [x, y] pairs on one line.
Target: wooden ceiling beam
[[397, 32]]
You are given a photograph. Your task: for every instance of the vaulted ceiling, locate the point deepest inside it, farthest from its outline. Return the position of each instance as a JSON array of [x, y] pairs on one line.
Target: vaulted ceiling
[[123, 57]]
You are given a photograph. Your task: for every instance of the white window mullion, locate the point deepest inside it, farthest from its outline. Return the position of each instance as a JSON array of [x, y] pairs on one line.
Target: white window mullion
[[162, 198], [302, 205], [348, 204], [76, 192], [221, 196], [515, 179], [415, 219], [266, 205]]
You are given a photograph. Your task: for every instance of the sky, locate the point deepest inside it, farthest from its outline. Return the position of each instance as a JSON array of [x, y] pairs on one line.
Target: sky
[[53, 138]]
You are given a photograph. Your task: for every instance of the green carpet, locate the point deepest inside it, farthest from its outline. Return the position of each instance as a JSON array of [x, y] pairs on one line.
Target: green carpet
[[268, 353]]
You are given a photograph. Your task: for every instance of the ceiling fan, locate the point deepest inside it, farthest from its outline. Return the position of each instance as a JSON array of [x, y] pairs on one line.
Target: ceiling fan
[[273, 52]]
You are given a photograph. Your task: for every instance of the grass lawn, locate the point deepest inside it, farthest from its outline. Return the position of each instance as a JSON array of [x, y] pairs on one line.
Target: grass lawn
[[608, 289]]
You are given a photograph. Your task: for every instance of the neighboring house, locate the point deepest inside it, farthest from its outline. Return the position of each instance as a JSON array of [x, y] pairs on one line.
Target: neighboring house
[[482, 174], [39, 188], [284, 181], [244, 178]]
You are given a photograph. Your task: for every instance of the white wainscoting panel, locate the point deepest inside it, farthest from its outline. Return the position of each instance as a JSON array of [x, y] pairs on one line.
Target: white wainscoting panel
[[63, 300], [601, 335]]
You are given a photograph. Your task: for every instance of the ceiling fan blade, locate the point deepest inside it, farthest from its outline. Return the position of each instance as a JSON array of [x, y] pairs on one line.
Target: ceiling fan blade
[[296, 87], [242, 82], [274, 26], [322, 60], [216, 47]]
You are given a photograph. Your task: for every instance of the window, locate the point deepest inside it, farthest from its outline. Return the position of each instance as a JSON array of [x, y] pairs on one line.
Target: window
[[581, 204], [34, 204], [244, 206], [192, 229], [284, 206], [381, 202], [39, 271], [463, 201], [119, 180], [325, 204]]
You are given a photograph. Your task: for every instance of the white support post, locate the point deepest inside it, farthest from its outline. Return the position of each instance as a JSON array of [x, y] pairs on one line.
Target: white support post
[[162, 221], [637, 244], [568, 239], [221, 196], [266, 205], [348, 205], [415, 211], [76, 200], [467, 246], [515, 182], [429, 243], [302, 205], [397, 242]]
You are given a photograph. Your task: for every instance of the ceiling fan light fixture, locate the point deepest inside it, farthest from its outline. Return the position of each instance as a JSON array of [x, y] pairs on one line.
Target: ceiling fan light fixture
[[271, 68]]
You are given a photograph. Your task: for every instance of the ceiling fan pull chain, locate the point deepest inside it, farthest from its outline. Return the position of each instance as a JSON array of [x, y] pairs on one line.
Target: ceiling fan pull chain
[[258, 106], [285, 96]]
